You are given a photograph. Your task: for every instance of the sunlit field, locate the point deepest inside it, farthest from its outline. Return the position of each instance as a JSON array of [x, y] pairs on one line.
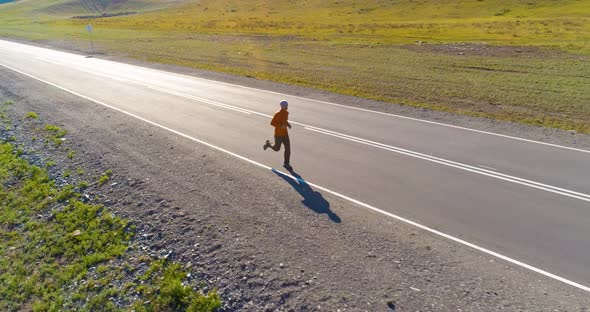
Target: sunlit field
[[524, 61]]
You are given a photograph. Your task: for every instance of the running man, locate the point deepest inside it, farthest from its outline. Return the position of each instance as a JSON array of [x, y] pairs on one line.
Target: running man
[[281, 123]]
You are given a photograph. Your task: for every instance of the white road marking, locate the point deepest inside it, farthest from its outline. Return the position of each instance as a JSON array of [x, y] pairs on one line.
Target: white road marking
[[489, 168], [367, 206], [51, 61], [533, 184], [490, 173], [454, 164], [318, 101], [210, 102]]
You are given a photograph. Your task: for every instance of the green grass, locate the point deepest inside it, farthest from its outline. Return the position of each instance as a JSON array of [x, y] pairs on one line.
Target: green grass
[[543, 23], [55, 134], [50, 163], [41, 258], [173, 294], [58, 253], [104, 178], [32, 115], [365, 49]]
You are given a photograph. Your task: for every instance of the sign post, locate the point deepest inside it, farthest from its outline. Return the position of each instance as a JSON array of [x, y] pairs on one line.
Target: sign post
[[90, 31]]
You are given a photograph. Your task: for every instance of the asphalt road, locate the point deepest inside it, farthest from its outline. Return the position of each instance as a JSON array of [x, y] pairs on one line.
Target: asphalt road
[[521, 199]]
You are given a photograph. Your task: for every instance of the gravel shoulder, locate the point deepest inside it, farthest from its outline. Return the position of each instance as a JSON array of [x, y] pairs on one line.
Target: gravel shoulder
[[247, 232]]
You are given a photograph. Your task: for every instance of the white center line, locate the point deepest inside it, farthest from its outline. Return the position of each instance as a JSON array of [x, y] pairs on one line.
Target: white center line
[[458, 165], [489, 168]]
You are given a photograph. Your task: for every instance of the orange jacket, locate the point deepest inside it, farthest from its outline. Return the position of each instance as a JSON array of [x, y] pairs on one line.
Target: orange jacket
[[279, 121]]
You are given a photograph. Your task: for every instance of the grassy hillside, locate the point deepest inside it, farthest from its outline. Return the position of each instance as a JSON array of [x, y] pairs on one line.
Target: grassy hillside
[[524, 61], [562, 23], [553, 23], [47, 10]]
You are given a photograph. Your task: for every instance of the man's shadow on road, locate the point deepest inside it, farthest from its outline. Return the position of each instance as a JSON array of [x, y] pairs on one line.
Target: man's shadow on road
[[311, 199]]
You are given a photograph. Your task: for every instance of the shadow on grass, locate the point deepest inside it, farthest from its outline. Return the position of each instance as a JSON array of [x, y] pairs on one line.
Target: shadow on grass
[[311, 199]]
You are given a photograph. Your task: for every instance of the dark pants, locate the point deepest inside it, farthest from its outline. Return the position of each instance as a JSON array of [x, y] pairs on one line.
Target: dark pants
[[277, 147]]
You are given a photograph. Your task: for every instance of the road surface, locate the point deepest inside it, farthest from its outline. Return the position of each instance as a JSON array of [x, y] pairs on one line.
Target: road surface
[[527, 202]]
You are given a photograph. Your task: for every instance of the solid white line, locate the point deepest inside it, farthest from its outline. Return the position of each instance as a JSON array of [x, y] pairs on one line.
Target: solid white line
[[473, 169], [440, 124], [489, 168], [355, 108], [328, 103], [417, 154], [187, 96], [418, 225], [51, 61], [490, 173], [175, 93], [457, 165]]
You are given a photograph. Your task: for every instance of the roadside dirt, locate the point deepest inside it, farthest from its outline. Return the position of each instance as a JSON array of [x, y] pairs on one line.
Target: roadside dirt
[[271, 245], [487, 50]]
